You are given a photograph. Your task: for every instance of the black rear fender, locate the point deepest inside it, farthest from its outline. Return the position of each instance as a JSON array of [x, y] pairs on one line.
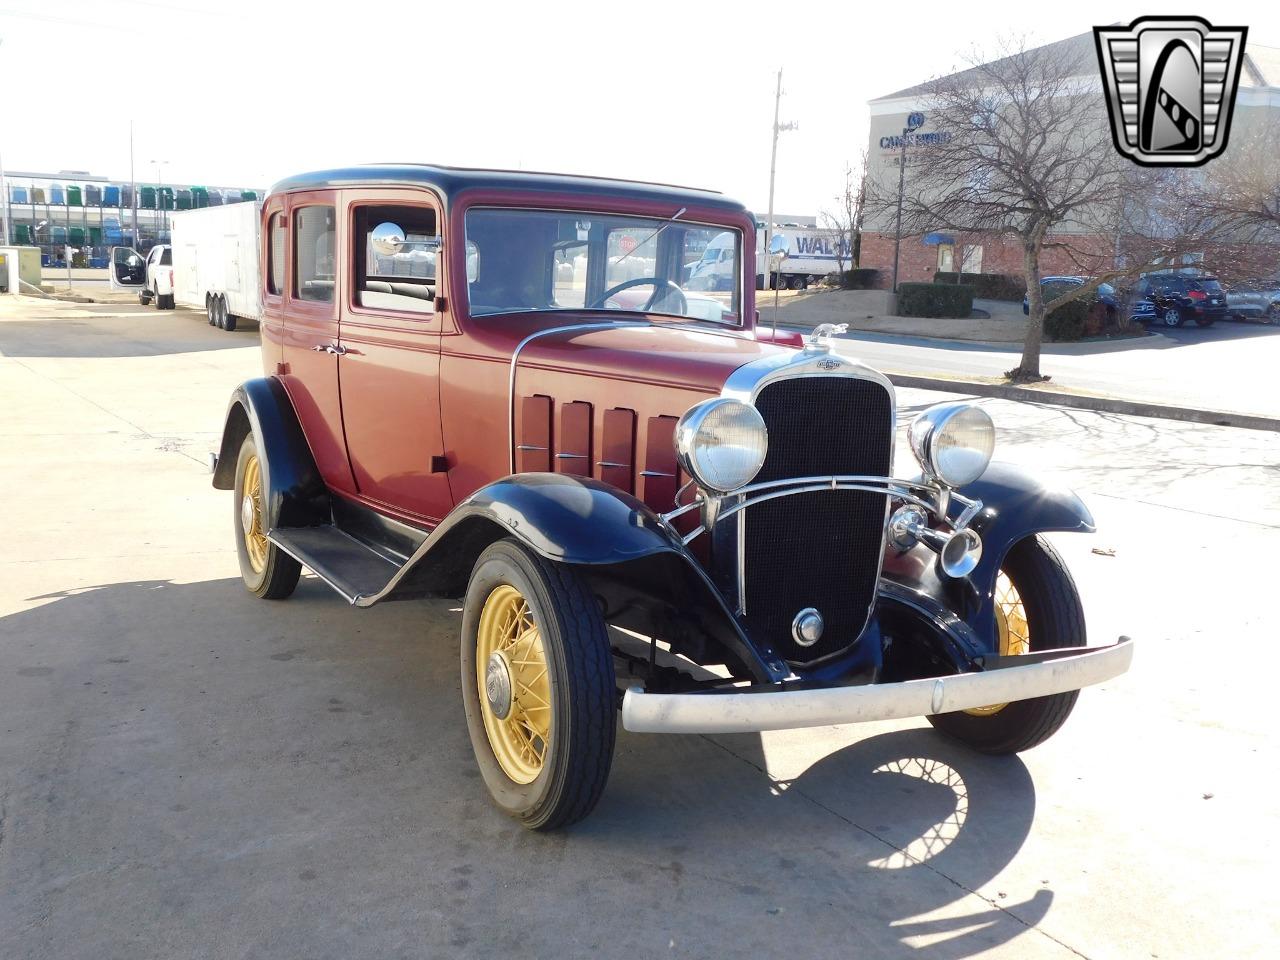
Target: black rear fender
[[295, 494]]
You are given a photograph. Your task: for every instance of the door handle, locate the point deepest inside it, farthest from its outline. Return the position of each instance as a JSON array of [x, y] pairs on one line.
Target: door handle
[[334, 348]]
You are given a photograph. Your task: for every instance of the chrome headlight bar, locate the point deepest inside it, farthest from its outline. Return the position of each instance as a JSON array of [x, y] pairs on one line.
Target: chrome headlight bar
[[958, 552]]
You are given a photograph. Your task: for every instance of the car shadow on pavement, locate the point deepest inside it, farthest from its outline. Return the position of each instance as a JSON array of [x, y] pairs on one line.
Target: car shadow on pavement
[[181, 762], [130, 336]]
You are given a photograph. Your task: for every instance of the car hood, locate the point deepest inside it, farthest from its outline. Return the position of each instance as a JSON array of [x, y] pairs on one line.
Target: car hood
[[663, 354]]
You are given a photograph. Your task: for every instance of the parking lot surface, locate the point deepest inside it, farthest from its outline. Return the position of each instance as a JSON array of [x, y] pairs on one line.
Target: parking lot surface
[[186, 771]]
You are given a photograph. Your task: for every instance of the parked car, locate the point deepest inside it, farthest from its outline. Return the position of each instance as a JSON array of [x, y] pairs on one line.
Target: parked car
[[567, 459], [1255, 300], [151, 276], [1176, 297], [1105, 296]]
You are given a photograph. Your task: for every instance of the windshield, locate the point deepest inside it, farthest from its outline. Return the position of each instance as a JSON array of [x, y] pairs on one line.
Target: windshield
[[531, 260]]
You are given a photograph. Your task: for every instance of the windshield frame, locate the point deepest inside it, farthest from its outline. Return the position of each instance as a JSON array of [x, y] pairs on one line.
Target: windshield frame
[[603, 207]]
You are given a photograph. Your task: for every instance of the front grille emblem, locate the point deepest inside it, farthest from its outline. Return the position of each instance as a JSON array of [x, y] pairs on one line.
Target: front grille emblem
[[806, 628]]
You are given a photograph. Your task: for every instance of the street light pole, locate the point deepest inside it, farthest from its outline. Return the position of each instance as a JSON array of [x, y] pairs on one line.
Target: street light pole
[[4, 188], [164, 220], [897, 226], [773, 168]]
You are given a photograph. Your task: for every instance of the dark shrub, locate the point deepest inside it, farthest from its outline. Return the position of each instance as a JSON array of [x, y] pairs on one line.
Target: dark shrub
[[935, 299], [860, 278], [1068, 321], [987, 286]]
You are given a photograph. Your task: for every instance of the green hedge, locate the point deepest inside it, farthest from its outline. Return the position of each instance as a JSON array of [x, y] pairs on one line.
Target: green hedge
[[935, 299], [988, 286], [860, 278], [1068, 321]]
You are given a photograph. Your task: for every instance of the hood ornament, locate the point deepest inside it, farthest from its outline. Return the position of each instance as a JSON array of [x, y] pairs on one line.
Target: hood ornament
[[818, 343]]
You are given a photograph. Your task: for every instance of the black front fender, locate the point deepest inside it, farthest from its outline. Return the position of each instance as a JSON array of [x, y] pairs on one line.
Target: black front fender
[[295, 494], [1015, 505], [633, 560]]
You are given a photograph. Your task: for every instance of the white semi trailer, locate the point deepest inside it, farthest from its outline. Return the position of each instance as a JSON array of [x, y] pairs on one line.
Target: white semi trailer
[[216, 262], [811, 254]]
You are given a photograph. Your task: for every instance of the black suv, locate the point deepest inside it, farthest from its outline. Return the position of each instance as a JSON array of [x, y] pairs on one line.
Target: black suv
[[1176, 298]]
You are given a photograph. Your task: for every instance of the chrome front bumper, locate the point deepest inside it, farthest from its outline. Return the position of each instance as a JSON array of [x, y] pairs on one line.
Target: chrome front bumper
[[739, 712]]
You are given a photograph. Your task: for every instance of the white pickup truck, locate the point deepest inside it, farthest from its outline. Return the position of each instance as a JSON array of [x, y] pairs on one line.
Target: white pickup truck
[[151, 276]]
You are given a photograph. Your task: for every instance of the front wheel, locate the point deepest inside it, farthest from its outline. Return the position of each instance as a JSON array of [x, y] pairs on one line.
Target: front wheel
[[537, 686], [1037, 608], [1172, 317], [267, 571]]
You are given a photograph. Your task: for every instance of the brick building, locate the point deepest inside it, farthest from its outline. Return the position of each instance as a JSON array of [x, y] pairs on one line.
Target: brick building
[[920, 256]]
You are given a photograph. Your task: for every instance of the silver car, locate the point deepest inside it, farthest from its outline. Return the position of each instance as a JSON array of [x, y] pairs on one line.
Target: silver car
[[1255, 300]]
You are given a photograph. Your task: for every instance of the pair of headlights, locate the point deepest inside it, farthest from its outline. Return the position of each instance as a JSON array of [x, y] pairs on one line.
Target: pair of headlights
[[722, 443]]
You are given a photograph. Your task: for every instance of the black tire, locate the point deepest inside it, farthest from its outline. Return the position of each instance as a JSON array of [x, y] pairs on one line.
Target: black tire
[[1273, 315], [166, 301], [157, 300], [208, 312], [279, 574], [228, 321], [144, 298], [1172, 317], [1055, 618], [575, 640], [219, 318], [1205, 321]]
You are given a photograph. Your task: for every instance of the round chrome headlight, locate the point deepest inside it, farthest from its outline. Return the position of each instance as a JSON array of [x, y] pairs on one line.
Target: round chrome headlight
[[721, 443], [953, 442]]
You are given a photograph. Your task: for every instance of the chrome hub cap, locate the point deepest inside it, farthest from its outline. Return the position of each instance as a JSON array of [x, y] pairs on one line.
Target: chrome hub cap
[[246, 512], [497, 685]]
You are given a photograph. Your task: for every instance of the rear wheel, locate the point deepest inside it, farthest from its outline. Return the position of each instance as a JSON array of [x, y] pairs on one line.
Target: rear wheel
[[1205, 321], [268, 571], [228, 321], [209, 313], [166, 301], [537, 686], [1273, 314], [157, 300], [1037, 608]]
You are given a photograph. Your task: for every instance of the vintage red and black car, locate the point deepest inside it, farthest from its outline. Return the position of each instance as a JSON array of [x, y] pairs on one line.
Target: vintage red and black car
[[495, 386]]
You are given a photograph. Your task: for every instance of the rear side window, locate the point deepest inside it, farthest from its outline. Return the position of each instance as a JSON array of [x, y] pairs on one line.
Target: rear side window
[[313, 253], [166, 257], [275, 254]]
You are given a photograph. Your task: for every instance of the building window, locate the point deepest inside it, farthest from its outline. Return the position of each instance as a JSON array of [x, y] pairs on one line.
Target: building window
[[275, 254], [313, 264], [972, 261]]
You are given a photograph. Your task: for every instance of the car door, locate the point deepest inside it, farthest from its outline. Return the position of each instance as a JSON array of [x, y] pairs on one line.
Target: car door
[[309, 330], [128, 269], [389, 356]]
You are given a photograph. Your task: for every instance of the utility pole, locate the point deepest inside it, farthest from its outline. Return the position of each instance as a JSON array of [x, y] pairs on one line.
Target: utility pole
[[4, 208], [164, 220], [773, 169], [133, 190]]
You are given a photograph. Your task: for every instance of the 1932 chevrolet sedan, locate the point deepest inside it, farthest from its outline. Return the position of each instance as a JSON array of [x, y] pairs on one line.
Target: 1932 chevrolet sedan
[[498, 386]]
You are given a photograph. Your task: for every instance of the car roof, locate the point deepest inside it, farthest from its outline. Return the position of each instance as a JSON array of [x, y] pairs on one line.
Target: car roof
[[452, 181], [1068, 279]]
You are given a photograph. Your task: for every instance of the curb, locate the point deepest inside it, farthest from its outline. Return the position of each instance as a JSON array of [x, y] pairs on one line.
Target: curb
[[1134, 408]]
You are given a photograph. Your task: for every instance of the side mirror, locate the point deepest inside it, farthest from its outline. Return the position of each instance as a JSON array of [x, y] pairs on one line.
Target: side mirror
[[777, 244], [387, 239]]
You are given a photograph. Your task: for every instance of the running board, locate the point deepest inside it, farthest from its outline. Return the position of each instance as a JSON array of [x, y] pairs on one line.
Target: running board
[[340, 560]]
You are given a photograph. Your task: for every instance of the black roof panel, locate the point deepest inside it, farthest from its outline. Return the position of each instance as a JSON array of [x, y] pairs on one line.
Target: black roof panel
[[452, 181]]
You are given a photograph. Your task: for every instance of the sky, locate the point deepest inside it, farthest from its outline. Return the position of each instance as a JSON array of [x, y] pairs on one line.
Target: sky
[[230, 92]]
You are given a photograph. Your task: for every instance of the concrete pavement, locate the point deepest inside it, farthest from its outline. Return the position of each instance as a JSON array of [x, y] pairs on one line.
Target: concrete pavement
[[188, 772]]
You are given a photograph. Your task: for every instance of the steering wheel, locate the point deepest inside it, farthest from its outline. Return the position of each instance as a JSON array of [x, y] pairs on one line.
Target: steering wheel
[[660, 287]]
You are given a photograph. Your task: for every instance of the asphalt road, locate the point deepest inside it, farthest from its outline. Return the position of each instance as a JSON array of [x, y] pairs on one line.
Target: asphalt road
[[187, 772], [1229, 366]]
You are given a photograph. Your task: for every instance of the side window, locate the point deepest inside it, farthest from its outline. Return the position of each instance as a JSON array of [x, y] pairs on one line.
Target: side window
[[275, 254], [395, 249], [314, 235]]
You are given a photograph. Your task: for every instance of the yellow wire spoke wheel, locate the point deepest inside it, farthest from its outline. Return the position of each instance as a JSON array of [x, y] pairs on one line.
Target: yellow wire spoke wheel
[[514, 684], [1012, 632], [255, 538]]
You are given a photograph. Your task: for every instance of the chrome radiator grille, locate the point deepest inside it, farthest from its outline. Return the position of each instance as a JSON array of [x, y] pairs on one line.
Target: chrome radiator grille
[[818, 549]]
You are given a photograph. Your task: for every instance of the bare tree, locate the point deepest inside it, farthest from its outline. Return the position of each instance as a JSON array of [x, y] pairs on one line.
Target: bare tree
[[1240, 193], [1027, 156], [845, 219]]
